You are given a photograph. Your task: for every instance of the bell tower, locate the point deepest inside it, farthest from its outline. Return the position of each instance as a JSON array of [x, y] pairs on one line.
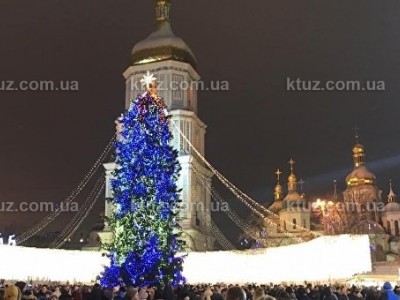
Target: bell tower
[[174, 65]]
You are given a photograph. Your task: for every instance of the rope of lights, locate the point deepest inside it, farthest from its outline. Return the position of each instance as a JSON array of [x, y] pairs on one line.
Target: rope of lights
[[72, 232], [79, 213], [231, 213], [215, 232], [86, 206], [243, 196], [50, 217], [220, 237], [247, 228]]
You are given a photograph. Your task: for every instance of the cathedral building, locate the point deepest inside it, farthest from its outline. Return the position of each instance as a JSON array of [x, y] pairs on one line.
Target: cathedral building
[[174, 65], [362, 211]]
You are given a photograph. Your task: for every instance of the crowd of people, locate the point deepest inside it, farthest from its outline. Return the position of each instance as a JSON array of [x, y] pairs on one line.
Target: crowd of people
[[23, 291]]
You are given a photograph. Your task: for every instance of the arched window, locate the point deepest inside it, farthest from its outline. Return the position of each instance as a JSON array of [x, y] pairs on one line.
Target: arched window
[[304, 223], [294, 223], [396, 228], [388, 228]]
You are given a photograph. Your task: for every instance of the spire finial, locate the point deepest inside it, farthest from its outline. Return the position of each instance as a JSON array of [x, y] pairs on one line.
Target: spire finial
[[335, 195], [356, 134], [291, 163], [278, 175], [163, 8], [292, 181], [391, 195], [278, 187]]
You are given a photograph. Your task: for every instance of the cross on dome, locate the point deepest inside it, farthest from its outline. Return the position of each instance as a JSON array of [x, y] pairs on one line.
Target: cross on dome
[[278, 174]]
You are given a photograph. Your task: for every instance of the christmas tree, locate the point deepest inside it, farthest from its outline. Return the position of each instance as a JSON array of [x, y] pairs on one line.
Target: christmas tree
[[146, 241]]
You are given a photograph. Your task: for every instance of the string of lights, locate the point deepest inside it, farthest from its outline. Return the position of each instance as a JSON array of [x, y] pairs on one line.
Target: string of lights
[[83, 218], [220, 237], [86, 207], [237, 192], [247, 228], [52, 215], [96, 197]]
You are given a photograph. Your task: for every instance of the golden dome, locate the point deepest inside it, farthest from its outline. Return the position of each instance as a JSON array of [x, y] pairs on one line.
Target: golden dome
[[278, 188], [292, 178], [359, 176], [358, 148], [162, 44]]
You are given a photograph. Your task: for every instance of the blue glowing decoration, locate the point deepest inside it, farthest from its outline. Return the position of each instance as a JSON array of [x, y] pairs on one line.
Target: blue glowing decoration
[[145, 221]]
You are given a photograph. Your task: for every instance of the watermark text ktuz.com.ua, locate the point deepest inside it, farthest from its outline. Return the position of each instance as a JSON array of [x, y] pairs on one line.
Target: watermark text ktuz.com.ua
[[38, 85], [299, 84], [9, 206]]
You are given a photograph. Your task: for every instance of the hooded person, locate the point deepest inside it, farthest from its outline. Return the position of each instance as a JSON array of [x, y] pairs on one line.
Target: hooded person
[[388, 293], [12, 292]]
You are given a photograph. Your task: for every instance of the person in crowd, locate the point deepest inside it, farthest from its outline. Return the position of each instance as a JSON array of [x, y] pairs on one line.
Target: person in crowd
[[65, 293], [290, 292], [107, 294], [43, 293], [97, 293], [342, 293], [355, 293], [57, 292], [328, 294], [388, 293], [86, 292], [12, 292], [224, 291], [301, 293], [236, 293], [151, 293], [207, 294], [371, 293], [314, 293], [258, 293], [76, 293], [217, 295], [267, 297], [143, 295], [131, 293]]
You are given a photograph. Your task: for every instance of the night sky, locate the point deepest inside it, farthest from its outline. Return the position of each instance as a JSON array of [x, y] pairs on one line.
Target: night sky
[[50, 139]]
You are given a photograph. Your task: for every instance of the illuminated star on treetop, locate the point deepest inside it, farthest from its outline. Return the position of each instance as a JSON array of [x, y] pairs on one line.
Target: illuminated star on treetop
[[147, 80]]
